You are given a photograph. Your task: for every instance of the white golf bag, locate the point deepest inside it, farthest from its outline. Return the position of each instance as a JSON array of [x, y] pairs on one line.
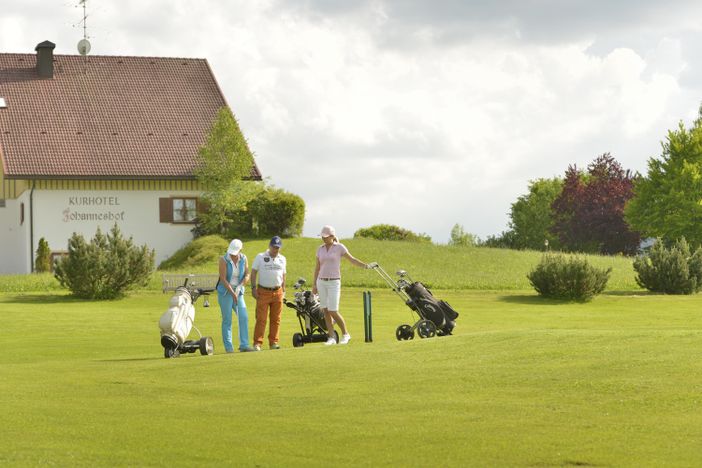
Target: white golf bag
[[176, 324], [178, 320]]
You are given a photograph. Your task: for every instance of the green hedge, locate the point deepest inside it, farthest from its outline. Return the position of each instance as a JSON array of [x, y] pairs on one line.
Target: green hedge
[[670, 270], [390, 232], [560, 276], [105, 267]]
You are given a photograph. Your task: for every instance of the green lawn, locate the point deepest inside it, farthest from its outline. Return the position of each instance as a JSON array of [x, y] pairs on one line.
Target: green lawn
[[523, 382], [438, 266]]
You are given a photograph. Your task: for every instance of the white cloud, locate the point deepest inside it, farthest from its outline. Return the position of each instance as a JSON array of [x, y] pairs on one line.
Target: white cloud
[[375, 112]]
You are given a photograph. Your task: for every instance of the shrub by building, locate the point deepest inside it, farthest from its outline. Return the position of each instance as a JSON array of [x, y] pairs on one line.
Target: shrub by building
[[42, 264], [270, 212], [105, 267]]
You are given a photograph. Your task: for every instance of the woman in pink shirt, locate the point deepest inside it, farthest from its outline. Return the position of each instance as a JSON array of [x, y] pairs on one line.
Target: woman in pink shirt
[[327, 281]]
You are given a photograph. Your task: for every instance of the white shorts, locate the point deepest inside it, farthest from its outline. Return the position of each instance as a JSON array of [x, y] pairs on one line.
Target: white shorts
[[329, 294]]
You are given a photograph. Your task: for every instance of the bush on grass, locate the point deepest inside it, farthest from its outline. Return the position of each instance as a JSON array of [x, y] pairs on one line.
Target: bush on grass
[[670, 270], [559, 276], [391, 232], [104, 268]]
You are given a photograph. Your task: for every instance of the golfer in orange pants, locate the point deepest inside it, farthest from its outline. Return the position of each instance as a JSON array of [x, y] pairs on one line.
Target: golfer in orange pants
[[268, 288]]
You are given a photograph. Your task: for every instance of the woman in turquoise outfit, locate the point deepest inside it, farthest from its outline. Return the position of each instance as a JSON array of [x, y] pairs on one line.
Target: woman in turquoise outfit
[[233, 275]]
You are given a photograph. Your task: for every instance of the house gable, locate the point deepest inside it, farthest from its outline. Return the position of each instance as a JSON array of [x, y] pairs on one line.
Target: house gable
[[105, 117]]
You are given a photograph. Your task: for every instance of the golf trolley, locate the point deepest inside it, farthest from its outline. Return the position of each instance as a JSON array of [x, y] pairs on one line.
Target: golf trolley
[[177, 322], [312, 325], [435, 317]]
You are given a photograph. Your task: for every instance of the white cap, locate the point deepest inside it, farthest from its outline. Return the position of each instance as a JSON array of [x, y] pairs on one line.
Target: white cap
[[234, 247], [328, 231]]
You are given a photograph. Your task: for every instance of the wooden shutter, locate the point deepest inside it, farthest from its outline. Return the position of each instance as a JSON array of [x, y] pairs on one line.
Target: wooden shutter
[[165, 208]]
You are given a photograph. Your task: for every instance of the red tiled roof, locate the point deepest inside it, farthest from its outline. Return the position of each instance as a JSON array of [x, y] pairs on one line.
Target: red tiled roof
[[107, 117]]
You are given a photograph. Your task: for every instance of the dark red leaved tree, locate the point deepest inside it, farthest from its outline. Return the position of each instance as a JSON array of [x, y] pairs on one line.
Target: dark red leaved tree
[[565, 209], [589, 212]]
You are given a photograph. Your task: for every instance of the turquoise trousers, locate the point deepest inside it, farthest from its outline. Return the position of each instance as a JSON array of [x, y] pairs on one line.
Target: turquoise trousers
[[226, 306]]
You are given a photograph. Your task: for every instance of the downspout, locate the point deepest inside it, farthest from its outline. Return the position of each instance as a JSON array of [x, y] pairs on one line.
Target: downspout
[[31, 227]]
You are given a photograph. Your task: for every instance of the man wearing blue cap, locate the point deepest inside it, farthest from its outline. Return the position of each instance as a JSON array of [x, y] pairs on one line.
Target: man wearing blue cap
[[268, 288]]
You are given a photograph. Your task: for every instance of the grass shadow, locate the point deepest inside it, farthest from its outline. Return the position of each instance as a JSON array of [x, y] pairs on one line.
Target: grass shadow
[[41, 299], [155, 358], [532, 299], [632, 292], [535, 299]]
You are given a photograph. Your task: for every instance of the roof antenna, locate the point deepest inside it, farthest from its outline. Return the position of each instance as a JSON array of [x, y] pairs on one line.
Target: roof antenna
[[84, 44]]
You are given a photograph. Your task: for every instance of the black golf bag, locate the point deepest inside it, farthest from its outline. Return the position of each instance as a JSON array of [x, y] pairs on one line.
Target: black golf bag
[[313, 328], [435, 317], [439, 312]]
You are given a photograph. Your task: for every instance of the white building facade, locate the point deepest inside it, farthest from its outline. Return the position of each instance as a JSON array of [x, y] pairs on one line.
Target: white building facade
[[55, 215]]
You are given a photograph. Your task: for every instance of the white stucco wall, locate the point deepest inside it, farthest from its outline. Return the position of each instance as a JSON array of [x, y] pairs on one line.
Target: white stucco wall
[[14, 237], [60, 213]]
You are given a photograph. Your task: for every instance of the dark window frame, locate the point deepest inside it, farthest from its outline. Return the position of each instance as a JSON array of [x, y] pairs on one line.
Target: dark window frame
[[168, 210]]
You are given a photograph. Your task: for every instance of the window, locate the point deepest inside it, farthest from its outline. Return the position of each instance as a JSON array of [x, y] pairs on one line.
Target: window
[[21, 214], [178, 210], [184, 210]]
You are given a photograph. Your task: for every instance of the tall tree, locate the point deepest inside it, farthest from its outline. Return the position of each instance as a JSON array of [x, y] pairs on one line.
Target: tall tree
[[589, 212], [607, 190], [667, 203], [531, 217], [225, 163]]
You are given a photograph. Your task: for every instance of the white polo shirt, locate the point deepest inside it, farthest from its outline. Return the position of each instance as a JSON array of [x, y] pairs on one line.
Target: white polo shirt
[[270, 269]]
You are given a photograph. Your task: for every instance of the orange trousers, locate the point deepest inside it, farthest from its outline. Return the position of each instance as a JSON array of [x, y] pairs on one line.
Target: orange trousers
[[272, 300]]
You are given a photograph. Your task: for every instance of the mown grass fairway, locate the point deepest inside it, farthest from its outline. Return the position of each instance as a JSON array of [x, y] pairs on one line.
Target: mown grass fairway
[[523, 382]]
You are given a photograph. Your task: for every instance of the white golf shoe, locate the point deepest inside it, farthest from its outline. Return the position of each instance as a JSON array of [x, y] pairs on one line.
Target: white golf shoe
[[345, 338], [330, 341]]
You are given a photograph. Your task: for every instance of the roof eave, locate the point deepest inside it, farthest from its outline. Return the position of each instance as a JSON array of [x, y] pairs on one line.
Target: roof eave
[[256, 178]]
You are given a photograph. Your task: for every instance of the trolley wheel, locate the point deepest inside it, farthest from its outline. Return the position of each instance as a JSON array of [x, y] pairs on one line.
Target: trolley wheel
[[426, 329], [404, 332], [171, 353], [298, 342], [206, 346]]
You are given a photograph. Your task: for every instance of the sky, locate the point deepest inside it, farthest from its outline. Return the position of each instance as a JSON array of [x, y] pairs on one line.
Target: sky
[[422, 114]]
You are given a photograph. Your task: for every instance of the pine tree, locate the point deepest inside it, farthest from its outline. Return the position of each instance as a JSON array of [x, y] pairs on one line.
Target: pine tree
[[42, 263]]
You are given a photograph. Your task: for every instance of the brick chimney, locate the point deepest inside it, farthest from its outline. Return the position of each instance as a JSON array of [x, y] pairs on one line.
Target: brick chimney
[[45, 59]]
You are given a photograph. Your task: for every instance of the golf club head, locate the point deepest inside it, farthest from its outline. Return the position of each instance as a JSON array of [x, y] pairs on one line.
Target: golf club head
[[401, 273]]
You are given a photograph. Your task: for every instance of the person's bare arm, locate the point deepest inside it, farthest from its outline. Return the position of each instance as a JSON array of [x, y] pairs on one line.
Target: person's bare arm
[[316, 274], [354, 260], [247, 273], [254, 292]]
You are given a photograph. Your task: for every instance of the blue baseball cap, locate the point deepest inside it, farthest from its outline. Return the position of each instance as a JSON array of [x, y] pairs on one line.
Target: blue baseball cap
[[276, 242]]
